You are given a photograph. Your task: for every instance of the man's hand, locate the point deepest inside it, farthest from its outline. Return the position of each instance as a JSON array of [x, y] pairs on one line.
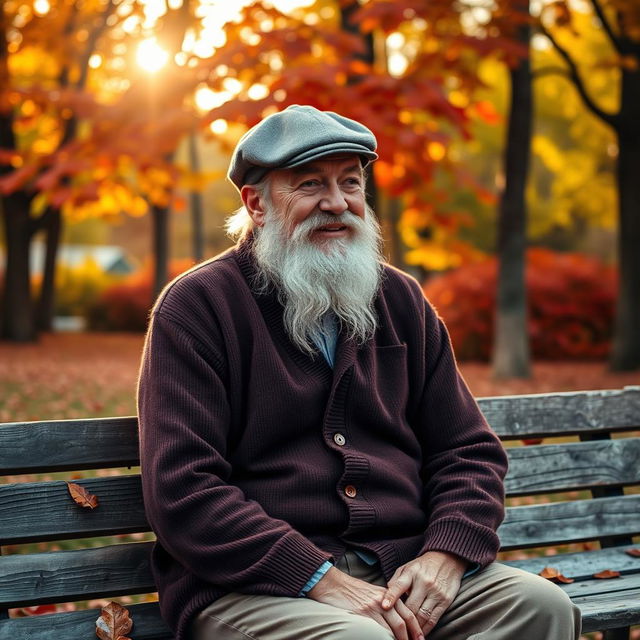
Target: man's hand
[[431, 582], [341, 590]]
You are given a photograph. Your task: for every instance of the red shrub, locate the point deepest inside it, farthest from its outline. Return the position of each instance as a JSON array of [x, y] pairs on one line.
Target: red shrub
[[571, 306], [125, 306]]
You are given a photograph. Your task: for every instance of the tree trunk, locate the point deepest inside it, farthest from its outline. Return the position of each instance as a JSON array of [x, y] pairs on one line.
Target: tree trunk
[[626, 344], [46, 299], [511, 351], [16, 323], [160, 217], [389, 227], [17, 308], [195, 202]]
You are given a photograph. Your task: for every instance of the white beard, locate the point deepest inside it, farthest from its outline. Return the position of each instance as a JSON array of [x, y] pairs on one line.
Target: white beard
[[340, 275]]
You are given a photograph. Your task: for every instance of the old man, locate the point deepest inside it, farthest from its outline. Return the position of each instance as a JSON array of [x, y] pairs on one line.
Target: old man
[[314, 465]]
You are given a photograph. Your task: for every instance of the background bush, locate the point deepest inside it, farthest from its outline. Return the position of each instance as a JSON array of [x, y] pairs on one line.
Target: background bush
[[571, 306], [79, 288], [125, 305]]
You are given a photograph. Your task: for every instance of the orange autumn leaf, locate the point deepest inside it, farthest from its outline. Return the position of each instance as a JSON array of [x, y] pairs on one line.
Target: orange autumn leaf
[[81, 496], [553, 574], [634, 553], [114, 622], [607, 574]]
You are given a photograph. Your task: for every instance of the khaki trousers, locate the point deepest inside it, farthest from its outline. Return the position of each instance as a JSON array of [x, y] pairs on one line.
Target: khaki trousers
[[497, 603]]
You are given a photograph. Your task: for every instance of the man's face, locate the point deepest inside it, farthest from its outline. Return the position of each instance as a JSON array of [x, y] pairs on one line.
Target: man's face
[[332, 186]]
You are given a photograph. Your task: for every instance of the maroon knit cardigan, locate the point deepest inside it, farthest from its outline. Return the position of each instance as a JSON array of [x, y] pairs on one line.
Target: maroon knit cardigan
[[259, 462]]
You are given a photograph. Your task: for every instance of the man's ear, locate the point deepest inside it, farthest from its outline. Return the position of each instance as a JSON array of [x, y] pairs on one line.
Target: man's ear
[[253, 203]]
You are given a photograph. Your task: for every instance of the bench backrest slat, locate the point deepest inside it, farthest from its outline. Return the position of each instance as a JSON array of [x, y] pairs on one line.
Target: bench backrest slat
[[81, 625], [62, 576], [575, 465], [528, 416], [33, 512], [565, 522], [101, 443]]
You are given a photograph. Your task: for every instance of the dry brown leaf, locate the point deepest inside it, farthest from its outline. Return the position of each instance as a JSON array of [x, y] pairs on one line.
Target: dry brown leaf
[[114, 622], [81, 496], [549, 573], [553, 574], [634, 553], [607, 574]]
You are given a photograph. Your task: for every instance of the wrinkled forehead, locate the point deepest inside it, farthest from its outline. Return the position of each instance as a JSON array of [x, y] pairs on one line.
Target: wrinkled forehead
[[335, 164]]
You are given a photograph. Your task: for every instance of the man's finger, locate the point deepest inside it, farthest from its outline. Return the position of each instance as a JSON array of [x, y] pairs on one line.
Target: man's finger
[[413, 625], [397, 624], [395, 588], [428, 615], [419, 593]]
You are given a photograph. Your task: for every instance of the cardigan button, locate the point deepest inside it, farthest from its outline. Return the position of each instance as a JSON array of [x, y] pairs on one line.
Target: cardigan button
[[339, 439], [350, 491]]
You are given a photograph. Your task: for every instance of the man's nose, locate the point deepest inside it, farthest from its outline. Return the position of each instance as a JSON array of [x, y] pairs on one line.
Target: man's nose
[[333, 200]]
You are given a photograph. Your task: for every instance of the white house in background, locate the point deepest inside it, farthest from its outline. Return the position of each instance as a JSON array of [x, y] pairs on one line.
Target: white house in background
[[110, 259]]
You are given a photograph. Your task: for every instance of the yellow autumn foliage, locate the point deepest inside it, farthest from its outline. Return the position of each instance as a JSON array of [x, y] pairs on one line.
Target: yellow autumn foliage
[[78, 288]]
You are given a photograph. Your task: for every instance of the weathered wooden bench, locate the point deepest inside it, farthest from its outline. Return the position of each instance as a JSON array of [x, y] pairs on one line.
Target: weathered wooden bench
[[593, 476]]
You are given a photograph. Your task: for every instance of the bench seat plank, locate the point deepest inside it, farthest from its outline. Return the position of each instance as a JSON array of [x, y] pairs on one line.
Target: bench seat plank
[[565, 522], [67, 576], [582, 564], [539, 415], [39, 511], [63, 445], [574, 465], [609, 611], [78, 625], [594, 587]]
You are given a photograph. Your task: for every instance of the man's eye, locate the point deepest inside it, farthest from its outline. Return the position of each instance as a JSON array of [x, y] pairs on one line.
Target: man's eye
[[309, 183]]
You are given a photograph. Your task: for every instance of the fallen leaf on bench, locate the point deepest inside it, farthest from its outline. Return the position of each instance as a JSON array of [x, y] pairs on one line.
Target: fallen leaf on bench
[[607, 574], [114, 622], [634, 553], [553, 574], [81, 496]]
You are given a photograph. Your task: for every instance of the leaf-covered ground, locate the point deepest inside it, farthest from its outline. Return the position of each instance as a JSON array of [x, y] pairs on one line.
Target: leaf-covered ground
[[91, 375]]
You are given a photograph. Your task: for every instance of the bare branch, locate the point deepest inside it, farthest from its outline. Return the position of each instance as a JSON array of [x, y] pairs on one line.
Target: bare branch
[[550, 71], [91, 43], [71, 124], [572, 73], [606, 25]]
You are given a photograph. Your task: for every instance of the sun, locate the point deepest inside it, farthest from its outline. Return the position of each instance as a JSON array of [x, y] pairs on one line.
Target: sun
[[151, 56]]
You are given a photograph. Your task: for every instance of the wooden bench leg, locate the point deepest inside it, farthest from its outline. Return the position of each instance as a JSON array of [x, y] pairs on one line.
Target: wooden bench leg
[[616, 634]]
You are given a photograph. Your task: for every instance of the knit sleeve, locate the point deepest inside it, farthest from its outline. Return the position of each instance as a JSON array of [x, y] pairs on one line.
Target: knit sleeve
[[205, 523], [464, 462]]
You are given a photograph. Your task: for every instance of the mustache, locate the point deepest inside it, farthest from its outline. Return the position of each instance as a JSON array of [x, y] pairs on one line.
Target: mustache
[[316, 220]]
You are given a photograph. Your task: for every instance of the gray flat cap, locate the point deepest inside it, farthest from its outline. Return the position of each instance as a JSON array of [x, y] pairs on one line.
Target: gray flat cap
[[295, 136]]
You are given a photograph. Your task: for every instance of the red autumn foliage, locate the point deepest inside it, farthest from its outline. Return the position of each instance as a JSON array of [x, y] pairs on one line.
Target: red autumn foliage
[[571, 306], [36, 610], [125, 306]]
